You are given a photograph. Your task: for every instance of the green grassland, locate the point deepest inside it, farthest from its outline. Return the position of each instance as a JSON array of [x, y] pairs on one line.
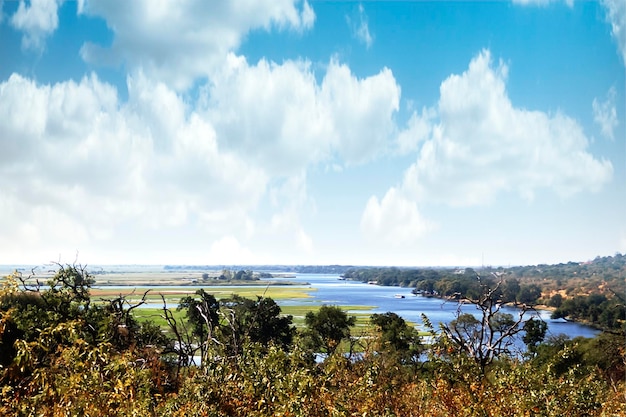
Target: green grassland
[[298, 313], [172, 295]]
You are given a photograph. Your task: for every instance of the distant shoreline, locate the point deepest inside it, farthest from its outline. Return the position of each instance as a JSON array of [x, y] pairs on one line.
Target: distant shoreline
[[215, 283]]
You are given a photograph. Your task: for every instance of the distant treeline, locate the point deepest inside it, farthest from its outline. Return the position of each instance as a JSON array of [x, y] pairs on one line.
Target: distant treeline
[[592, 292], [298, 269], [449, 283]]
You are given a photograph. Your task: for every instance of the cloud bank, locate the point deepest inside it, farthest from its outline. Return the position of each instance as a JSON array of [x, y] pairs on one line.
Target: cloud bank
[[475, 145], [178, 42]]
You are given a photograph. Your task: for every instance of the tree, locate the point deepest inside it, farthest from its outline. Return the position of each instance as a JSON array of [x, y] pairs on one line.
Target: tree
[[396, 337], [203, 315], [426, 286], [535, 333], [510, 290], [556, 300], [39, 324], [529, 294], [328, 327], [491, 334], [256, 321]]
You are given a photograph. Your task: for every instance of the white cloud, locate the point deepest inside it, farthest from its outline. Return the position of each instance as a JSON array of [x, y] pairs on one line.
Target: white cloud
[[37, 20], [362, 111], [307, 16], [360, 27], [229, 251], [482, 145], [290, 198], [280, 118], [395, 220], [476, 145], [616, 14], [605, 114], [159, 163], [82, 167], [178, 42], [418, 130]]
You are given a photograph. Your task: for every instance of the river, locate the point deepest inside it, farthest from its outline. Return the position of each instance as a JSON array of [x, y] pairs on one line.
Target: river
[[331, 290]]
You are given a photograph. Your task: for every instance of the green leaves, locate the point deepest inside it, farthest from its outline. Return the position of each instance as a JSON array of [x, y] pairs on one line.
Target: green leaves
[[328, 327], [397, 337]]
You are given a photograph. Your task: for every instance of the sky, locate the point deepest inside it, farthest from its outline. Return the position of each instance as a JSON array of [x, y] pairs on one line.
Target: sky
[[408, 133]]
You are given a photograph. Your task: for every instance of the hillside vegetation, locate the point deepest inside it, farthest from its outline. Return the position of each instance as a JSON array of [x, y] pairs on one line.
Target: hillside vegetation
[[63, 353], [591, 292]]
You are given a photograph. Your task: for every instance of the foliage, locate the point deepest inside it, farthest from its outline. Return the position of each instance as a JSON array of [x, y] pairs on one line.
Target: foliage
[[327, 328], [529, 285], [63, 354], [534, 333], [598, 309], [203, 316], [397, 338], [487, 337], [255, 321]]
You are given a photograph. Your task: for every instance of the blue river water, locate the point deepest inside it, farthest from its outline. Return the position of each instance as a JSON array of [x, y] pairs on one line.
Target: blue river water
[[329, 289]]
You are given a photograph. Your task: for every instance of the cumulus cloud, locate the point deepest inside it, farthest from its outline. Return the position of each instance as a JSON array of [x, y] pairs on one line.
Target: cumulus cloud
[[605, 114], [76, 158], [178, 42], [394, 220], [37, 19], [616, 15], [482, 145], [81, 165], [478, 145], [281, 118], [359, 24]]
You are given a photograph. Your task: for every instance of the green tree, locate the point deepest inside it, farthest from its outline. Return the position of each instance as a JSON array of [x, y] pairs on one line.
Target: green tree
[[41, 328], [529, 294], [510, 290], [397, 337], [202, 313], [535, 332], [328, 327], [556, 300], [255, 321]]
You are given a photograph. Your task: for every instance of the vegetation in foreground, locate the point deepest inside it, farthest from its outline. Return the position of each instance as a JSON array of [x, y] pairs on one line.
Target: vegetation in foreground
[[61, 354]]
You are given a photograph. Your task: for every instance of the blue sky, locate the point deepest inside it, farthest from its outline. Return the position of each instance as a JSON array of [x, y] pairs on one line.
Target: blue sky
[[312, 132]]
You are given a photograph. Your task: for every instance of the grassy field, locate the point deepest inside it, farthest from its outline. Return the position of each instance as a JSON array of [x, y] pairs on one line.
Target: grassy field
[[298, 313], [362, 314], [172, 295]]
